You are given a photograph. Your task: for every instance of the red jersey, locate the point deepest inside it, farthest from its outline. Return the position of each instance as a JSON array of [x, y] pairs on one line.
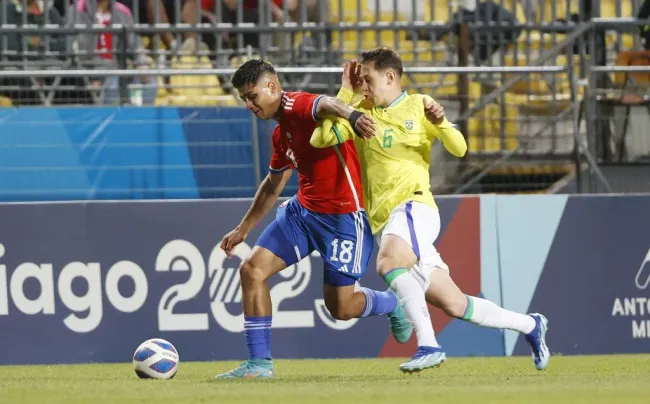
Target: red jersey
[[330, 178]]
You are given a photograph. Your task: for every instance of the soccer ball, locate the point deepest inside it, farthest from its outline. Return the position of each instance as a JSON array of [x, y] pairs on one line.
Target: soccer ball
[[155, 359]]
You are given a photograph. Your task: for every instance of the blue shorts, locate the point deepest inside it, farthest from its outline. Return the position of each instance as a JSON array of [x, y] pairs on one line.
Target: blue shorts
[[343, 240]]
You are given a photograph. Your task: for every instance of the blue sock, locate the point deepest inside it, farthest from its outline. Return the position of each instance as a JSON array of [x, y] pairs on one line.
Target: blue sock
[[378, 303], [257, 331]]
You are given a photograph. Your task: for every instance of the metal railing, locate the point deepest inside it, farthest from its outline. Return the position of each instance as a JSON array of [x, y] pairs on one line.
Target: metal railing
[[524, 86]]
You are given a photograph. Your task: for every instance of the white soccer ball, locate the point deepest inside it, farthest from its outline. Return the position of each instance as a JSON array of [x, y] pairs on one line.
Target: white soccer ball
[[156, 359]]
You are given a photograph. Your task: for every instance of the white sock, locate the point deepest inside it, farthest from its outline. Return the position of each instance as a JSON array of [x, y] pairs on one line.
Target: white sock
[[487, 314], [411, 297]]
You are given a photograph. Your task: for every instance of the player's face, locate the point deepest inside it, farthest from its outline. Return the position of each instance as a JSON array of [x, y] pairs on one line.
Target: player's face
[[375, 83], [261, 99]]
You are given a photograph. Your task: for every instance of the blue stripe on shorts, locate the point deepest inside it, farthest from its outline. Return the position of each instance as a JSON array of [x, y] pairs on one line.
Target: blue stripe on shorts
[[409, 221]]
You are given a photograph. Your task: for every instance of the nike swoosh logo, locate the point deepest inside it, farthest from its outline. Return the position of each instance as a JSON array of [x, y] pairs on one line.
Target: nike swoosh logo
[[252, 375], [642, 279]]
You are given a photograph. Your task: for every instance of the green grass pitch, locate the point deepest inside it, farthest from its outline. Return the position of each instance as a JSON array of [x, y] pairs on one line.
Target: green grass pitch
[[586, 379]]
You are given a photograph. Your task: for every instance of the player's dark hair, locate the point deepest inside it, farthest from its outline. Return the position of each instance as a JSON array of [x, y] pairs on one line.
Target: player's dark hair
[[250, 72], [383, 58]]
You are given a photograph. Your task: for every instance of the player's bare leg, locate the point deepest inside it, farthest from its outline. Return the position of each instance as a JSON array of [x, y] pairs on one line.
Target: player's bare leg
[[255, 272], [444, 294], [348, 302], [344, 302], [394, 257]]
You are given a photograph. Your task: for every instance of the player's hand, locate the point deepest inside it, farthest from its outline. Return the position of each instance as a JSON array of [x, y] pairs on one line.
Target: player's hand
[[352, 76], [434, 112], [364, 127], [232, 240]]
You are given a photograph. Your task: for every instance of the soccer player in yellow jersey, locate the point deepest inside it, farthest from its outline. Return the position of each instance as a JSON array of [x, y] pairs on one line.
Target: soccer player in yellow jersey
[[401, 209]]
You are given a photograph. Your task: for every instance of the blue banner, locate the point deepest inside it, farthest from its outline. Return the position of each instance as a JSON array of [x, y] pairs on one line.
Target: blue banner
[[88, 282], [94, 280], [91, 153]]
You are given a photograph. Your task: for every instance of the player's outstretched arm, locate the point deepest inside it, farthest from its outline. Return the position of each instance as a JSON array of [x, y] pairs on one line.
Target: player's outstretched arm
[[437, 124], [265, 197], [331, 106]]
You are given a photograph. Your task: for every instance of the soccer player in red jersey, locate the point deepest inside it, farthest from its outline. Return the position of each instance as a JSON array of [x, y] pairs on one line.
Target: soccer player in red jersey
[[326, 215]]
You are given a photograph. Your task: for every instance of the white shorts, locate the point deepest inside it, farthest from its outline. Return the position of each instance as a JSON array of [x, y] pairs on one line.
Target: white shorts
[[419, 225]]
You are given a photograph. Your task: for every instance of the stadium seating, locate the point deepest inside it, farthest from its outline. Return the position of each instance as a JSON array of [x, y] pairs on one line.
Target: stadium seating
[[193, 89], [552, 11], [486, 126], [544, 93], [5, 102], [618, 9], [537, 95], [611, 9], [632, 58]]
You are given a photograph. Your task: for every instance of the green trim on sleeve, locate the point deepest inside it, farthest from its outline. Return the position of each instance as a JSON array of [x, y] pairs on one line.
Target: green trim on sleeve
[[339, 138]]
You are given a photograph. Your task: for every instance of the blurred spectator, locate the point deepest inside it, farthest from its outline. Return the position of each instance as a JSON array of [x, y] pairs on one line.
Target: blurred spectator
[[644, 14], [167, 14], [38, 13], [101, 50], [29, 47], [484, 43], [145, 13], [293, 9], [251, 14]]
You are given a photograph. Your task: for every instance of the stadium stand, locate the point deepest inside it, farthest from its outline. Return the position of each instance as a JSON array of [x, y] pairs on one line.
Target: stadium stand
[[522, 140]]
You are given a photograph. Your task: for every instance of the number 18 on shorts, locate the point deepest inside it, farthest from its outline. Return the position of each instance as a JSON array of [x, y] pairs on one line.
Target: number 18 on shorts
[[343, 240]]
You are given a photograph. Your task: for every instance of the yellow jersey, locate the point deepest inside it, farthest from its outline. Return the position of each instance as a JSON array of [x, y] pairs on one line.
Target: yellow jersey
[[395, 163]]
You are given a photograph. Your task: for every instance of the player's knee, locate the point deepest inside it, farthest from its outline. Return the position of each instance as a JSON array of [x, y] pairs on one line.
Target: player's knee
[[387, 262], [454, 307], [398, 255], [250, 273]]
